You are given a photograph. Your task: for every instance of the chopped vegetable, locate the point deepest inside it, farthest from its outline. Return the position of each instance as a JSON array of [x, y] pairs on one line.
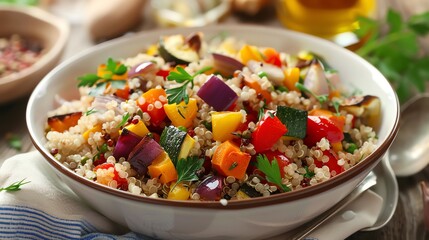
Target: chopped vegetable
[[294, 119], [224, 124], [291, 78], [248, 52], [152, 102], [143, 154], [282, 160], [175, 49], [209, 92], [96, 128], [182, 114], [163, 169], [171, 140], [271, 171], [179, 192], [125, 144], [228, 154], [226, 65], [106, 173], [187, 145], [332, 163], [321, 127], [252, 83], [61, 123], [138, 128], [142, 69], [272, 57], [268, 131], [210, 189]]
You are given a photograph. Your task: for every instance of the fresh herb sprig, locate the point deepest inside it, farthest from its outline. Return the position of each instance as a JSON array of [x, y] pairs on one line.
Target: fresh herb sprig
[[396, 52], [321, 98], [186, 169], [113, 68], [16, 186], [179, 94], [271, 171], [124, 120]]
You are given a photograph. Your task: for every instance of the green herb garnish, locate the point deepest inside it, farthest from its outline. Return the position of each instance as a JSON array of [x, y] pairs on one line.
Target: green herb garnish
[[262, 74], [396, 53], [308, 173], [90, 111], [336, 105], [352, 147], [207, 125], [233, 165], [101, 150], [16, 186], [13, 141], [321, 98], [261, 112], [124, 120], [100, 82], [271, 171], [179, 94], [186, 169], [281, 89]]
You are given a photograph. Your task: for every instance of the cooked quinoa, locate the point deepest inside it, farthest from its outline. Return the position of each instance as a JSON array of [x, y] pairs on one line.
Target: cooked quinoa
[[83, 134]]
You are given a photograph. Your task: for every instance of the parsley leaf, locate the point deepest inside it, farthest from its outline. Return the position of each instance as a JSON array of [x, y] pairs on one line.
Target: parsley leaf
[[406, 69], [179, 94], [186, 169], [16, 186], [308, 173], [90, 111], [88, 80], [271, 171]]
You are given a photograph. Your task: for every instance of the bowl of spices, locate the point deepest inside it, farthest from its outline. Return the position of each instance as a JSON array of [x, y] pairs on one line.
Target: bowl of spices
[[31, 43]]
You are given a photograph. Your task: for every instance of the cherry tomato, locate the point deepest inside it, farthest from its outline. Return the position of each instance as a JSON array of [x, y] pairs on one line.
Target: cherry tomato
[[122, 183]]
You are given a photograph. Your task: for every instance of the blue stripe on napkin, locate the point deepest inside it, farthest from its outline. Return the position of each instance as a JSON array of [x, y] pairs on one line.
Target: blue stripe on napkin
[[22, 222]]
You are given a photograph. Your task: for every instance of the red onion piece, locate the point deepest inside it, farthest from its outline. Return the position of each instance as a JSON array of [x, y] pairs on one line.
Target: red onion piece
[[274, 73], [226, 65], [125, 144], [315, 80], [143, 154], [142, 69], [217, 94], [210, 189]]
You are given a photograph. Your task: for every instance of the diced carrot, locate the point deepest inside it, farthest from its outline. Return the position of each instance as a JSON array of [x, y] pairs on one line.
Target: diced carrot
[[291, 78], [163, 168], [255, 85], [61, 123], [228, 160]]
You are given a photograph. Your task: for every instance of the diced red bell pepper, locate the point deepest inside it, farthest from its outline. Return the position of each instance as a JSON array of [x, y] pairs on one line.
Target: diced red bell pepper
[[150, 101], [123, 93], [163, 73], [122, 183], [268, 131], [332, 163], [272, 57], [321, 127]]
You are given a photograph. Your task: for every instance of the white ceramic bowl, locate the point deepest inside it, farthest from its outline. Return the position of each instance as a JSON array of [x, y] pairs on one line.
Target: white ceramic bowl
[[246, 219], [36, 24]]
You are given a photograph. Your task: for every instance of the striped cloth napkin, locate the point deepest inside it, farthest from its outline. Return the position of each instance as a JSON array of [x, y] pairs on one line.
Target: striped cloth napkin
[[45, 208]]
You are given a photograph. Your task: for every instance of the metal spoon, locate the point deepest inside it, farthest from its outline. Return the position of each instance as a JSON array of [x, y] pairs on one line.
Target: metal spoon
[[369, 181], [408, 153]]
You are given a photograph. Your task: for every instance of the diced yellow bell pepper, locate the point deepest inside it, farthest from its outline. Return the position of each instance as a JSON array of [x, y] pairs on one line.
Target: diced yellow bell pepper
[[306, 55], [182, 114], [178, 192], [96, 128], [139, 129], [187, 145], [163, 168], [291, 78], [224, 124], [102, 70], [248, 52]]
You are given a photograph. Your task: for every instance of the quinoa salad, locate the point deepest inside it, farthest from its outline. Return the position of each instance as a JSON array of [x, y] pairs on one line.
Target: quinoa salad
[[206, 119]]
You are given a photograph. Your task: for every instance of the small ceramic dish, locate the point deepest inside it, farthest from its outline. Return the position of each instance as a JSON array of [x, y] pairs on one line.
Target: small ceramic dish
[[37, 25]]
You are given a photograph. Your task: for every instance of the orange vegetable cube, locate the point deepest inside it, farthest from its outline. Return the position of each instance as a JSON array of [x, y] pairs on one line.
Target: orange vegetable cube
[[255, 85], [291, 78], [182, 114], [229, 160], [163, 169], [61, 123], [248, 52]]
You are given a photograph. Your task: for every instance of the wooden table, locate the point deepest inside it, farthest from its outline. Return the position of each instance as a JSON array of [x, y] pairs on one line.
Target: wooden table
[[407, 222]]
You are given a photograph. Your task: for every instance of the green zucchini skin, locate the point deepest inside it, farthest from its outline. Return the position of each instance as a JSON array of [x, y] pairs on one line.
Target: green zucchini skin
[[171, 140], [295, 121], [174, 49]]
